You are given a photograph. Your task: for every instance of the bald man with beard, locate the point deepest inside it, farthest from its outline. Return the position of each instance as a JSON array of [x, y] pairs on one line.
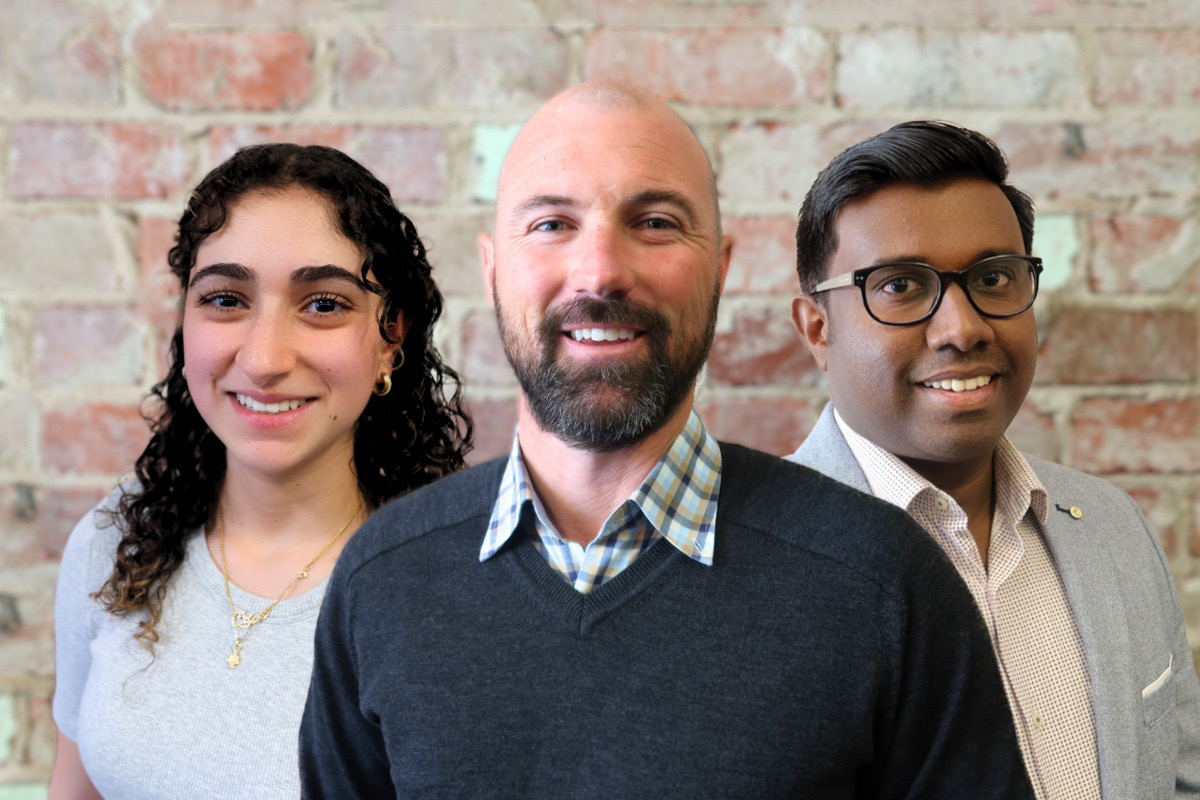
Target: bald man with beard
[[625, 607]]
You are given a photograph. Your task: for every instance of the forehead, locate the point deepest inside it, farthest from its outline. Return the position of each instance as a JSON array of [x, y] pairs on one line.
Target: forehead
[[598, 155], [293, 225], [948, 225]]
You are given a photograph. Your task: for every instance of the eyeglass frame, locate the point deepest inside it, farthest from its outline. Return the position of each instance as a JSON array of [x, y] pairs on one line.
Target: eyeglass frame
[[858, 278]]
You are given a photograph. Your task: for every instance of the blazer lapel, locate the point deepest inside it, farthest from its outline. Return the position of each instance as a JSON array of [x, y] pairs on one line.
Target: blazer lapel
[[1091, 587], [826, 451]]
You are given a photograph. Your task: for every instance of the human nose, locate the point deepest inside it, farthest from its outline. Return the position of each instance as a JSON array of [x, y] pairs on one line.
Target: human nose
[[266, 352], [955, 323], [602, 263]]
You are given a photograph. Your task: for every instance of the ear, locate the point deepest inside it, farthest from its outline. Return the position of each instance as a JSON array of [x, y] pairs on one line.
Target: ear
[[723, 261], [398, 330], [488, 261], [813, 325]]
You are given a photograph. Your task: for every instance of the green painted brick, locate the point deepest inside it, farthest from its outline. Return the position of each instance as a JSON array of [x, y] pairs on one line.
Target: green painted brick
[[24, 791], [490, 146], [1056, 240]]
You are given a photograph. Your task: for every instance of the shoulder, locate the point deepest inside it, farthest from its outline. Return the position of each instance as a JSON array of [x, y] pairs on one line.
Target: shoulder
[[91, 548], [458, 499], [805, 509]]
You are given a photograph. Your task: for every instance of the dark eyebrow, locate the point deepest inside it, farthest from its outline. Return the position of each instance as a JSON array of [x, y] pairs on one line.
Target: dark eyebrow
[[327, 272], [240, 272], [235, 272], [543, 200], [979, 255]]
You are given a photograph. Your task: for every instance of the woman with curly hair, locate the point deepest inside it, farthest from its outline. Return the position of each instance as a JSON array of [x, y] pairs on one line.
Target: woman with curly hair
[[304, 391]]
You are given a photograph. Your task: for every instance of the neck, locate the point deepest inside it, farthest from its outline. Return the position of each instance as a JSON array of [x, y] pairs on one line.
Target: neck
[[290, 507], [580, 489], [972, 485]]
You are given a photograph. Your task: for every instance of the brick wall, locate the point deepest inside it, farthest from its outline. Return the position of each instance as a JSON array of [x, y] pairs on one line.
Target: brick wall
[[110, 112]]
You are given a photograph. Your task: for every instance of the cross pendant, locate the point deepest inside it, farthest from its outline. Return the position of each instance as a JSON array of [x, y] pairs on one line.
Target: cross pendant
[[235, 658]]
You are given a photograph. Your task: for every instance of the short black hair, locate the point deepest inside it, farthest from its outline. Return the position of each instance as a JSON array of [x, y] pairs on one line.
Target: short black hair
[[924, 152]]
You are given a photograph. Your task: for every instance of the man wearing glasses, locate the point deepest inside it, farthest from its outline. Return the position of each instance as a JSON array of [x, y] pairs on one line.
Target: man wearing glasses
[[912, 252]]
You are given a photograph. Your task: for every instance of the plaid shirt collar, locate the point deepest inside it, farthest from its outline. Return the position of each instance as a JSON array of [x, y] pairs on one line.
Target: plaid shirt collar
[[678, 498], [1017, 487]]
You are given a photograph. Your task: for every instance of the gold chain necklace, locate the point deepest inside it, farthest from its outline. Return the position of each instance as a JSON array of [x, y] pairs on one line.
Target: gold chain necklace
[[244, 622]]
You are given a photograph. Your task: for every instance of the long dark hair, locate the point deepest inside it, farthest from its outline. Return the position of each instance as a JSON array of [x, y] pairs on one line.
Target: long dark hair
[[413, 435]]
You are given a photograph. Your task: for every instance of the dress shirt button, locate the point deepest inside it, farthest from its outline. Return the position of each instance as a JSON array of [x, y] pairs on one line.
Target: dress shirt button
[[941, 503], [1038, 720]]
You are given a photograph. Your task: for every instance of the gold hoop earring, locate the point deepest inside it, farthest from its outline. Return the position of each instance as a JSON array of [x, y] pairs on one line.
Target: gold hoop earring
[[401, 364], [183, 372], [383, 385]]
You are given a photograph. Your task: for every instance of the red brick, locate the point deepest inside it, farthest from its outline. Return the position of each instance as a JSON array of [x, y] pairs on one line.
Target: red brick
[[762, 349], [1102, 345], [1147, 67], [775, 425], [77, 346], [64, 53], [82, 256], [58, 511], [1145, 254], [411, 161], [100, 438], [125, 161], [1116, 434], [764, 256], [495, 421], [769, 161], [450, 240], [484, 363], [1108, 160], [1033, 431], [742, 66], [158, 290], [1194, 541], [253, 70], [1160, 505], [450, 67], [1087, 12], [229, 13], [907, 67]]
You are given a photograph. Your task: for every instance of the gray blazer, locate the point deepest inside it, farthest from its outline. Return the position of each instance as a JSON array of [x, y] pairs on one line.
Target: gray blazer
[[1144, 686]]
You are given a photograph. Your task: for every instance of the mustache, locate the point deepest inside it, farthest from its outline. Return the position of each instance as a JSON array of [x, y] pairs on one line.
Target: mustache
[[604, 311]]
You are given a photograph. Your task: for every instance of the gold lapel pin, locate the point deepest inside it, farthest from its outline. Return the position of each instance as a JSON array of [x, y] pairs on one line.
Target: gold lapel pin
[[1075, 511]]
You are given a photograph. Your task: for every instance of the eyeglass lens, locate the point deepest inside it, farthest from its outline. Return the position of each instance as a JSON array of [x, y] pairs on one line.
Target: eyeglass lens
[[906, 292]]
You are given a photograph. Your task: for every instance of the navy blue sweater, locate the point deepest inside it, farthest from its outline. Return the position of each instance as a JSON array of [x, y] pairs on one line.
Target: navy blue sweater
[[830, 651]]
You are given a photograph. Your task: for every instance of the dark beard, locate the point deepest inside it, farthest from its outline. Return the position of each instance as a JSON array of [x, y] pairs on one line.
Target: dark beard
[[606, 407]]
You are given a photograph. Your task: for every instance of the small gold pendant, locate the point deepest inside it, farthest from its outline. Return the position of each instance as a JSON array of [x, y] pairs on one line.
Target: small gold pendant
[[235, 657]]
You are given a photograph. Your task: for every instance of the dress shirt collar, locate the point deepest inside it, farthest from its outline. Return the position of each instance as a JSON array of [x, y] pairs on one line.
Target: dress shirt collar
[[1016, 486], [678, 497]]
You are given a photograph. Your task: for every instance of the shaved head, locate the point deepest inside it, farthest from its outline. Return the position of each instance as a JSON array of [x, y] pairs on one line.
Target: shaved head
[[573, 111]]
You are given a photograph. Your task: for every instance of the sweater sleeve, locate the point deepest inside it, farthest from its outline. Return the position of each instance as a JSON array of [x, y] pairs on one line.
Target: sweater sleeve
[[342, 752], [82, 571], [951, 731]]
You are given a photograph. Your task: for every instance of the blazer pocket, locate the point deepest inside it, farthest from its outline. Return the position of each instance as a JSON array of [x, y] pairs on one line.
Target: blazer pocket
[[1158, 696]]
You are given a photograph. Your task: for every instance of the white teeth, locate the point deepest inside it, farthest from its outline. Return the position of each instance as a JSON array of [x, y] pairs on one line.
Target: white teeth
[[601, 334], [958, 385], [267, 408]]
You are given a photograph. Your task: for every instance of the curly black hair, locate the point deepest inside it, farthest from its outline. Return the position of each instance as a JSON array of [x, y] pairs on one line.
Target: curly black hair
[[411, 436]]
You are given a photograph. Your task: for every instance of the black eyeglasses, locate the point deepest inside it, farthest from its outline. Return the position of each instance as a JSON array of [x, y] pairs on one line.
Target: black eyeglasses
[[906, 293]]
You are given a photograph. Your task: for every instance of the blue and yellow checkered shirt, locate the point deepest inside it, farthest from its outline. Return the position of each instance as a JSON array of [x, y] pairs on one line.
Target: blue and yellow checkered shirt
[[676, 501]]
